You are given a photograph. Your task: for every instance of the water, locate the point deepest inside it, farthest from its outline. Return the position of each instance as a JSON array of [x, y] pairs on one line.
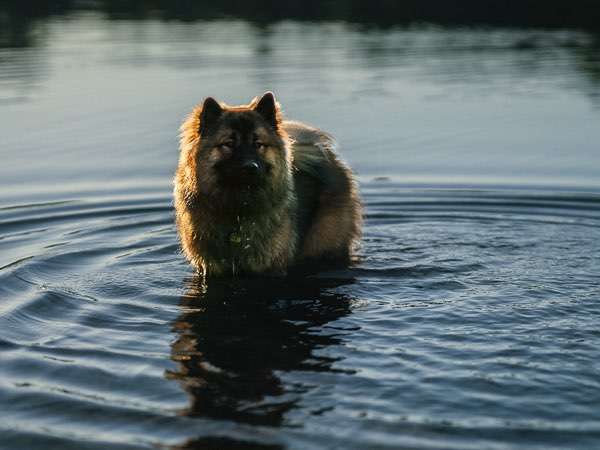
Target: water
[[470, 320]]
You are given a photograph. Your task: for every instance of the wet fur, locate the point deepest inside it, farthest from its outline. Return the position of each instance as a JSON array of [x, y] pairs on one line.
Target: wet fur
[[308, 210]]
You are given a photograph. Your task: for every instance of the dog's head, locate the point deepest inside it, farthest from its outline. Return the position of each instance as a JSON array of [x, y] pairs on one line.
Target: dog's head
[[237, 151]]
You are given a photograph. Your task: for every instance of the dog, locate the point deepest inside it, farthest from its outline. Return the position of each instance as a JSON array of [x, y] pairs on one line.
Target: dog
[[257, 194]]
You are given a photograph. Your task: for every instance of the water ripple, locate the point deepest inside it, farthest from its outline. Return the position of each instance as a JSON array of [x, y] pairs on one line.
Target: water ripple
[[469, 315]]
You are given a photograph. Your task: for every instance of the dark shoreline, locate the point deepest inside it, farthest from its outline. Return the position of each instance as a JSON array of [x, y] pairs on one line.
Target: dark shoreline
[[579, 14]]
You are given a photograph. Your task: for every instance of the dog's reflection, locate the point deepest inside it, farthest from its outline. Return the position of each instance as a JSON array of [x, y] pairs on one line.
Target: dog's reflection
[[234, 338]]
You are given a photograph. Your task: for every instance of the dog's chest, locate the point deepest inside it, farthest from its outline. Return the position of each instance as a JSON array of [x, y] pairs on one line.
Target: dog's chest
[[242, 242]]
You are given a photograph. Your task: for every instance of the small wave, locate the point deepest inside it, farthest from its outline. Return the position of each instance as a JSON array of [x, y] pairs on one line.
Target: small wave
[[385, 205], [416, 271]]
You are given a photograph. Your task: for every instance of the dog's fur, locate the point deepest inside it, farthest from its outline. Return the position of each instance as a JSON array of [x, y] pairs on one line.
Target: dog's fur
[[297, 204]]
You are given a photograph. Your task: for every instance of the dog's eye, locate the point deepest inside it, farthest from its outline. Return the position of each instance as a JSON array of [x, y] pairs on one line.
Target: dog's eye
[[259, 145], [226, 145]]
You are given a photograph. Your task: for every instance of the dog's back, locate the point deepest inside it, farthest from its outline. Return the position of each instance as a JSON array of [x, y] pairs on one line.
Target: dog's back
[[329, 212]]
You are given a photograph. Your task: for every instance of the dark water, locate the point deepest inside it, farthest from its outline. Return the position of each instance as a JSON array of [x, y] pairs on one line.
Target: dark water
[[471, 320]]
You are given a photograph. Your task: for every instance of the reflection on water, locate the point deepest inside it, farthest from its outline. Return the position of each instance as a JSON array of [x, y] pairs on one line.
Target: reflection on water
[[234, 337], [23, 28]]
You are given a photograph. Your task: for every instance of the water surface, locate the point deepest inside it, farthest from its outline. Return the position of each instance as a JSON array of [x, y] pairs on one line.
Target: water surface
[[469, 321]]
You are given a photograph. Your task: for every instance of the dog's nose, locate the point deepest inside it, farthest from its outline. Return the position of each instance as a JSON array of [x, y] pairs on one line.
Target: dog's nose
[[251, 167]]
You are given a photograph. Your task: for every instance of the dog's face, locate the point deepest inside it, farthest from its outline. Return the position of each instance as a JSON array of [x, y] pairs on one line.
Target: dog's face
[[242, 150]]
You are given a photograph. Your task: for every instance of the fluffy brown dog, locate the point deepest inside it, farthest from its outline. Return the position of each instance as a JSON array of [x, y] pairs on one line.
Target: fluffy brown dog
[[256, 194]]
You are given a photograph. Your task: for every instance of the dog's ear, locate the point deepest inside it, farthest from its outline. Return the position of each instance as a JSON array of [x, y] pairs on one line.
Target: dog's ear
[[211, 111], [268, 108]]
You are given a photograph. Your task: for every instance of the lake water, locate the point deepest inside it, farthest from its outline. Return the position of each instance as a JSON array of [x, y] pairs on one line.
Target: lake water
[[470, 321]]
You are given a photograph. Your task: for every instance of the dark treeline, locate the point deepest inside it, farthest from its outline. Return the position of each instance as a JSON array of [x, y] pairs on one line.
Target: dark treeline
[[518, 13]]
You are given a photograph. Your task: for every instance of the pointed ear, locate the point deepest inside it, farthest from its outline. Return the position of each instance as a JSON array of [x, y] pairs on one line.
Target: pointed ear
[[268, 108], [211, 111]]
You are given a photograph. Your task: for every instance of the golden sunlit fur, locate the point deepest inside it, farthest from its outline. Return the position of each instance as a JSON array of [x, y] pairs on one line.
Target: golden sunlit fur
[[303, 206]]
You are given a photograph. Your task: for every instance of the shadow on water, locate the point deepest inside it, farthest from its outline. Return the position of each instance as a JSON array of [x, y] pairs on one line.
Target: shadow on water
[[236, 337]]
